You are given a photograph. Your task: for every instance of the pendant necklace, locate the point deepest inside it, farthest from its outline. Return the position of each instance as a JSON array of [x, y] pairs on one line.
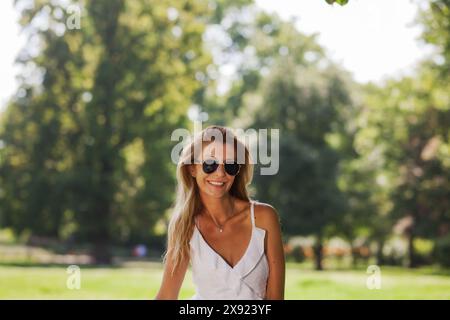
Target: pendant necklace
[[220, 227]]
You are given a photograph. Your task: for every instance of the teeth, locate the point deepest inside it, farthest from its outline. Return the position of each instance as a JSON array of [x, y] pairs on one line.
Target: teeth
[[216, 183]]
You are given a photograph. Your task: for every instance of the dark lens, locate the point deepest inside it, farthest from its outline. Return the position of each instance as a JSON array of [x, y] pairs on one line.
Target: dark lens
[[209, 166], [232, 168]]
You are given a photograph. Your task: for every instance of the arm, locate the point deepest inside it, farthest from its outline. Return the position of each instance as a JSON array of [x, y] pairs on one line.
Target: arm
[[274, 252], [171, 283]]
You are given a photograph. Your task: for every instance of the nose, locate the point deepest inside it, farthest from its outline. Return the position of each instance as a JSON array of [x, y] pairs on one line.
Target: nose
[[220, 172]]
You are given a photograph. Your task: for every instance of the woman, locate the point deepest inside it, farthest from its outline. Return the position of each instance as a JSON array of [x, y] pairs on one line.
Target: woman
[[232, 242]]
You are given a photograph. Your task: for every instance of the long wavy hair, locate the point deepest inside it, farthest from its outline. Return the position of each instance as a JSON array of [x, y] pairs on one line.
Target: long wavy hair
[[188, 203]]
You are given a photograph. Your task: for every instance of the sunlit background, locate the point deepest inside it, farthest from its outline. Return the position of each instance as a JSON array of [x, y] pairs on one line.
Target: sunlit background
[[384, 29], [359, 92]]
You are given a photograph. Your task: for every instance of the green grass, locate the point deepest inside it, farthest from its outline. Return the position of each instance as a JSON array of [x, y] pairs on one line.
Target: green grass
[[142, 282]]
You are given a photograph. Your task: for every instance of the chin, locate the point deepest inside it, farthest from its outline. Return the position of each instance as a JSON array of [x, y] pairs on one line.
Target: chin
[[215, 193]]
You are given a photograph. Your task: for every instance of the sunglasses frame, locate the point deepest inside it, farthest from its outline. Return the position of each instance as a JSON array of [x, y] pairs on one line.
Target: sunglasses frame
[[215, 164]]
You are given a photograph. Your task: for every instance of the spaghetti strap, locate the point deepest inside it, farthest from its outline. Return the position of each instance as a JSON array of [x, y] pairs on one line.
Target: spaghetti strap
[[252, 212]]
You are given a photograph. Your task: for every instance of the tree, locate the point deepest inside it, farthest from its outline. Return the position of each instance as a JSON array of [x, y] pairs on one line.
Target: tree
[[267, 91], [341, 2], [87, 144], [407, 129], [302, 103]]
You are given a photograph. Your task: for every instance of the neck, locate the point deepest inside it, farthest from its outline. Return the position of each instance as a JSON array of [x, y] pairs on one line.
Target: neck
[[220, 208]]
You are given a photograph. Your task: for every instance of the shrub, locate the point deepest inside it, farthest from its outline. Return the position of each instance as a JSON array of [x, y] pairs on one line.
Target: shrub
[[442, 251], [297, 254]]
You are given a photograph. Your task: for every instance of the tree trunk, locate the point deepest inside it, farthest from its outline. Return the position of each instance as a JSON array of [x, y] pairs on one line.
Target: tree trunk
[[380, 257], [102, 253], [103, 104], [412, 263], [102, 239], [354, 255], [318, 252]]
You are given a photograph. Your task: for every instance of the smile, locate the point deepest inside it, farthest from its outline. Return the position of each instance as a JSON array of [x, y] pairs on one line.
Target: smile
[[216, 184]]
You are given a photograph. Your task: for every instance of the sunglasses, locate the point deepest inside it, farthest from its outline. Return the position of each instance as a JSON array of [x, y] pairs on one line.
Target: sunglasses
[[211, 165]]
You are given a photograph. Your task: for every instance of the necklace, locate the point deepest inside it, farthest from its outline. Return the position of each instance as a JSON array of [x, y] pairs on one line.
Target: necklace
[[220, 227]]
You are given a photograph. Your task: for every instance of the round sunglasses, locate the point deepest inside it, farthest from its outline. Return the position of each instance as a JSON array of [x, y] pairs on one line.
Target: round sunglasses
[[211, 165]]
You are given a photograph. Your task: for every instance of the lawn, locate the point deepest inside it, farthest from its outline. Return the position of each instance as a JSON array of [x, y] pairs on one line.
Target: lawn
[[141, 281]]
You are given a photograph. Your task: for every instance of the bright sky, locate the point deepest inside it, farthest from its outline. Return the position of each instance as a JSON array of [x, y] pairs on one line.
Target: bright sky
[[11, 44], [371, 38]]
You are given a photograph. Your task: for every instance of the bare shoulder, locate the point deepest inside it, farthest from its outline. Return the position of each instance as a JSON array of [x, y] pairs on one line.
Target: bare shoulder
[[266, 216]]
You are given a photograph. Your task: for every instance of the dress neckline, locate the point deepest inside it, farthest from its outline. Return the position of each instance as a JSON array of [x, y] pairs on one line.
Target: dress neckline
[[214, 252]]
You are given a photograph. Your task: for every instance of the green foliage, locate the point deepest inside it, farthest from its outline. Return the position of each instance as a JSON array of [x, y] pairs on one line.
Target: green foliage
[[435, 19], [257, 41], [87, 144], [442, 251], [84, 148], [304, 103], [341, 2], [406, 135], [304, 191], [297, 254]]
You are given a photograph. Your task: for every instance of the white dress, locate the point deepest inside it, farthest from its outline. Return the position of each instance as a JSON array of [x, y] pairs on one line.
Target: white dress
[[215, 279]]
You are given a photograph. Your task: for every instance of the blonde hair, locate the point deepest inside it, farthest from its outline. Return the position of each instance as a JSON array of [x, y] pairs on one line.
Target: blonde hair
[[188, 202]]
